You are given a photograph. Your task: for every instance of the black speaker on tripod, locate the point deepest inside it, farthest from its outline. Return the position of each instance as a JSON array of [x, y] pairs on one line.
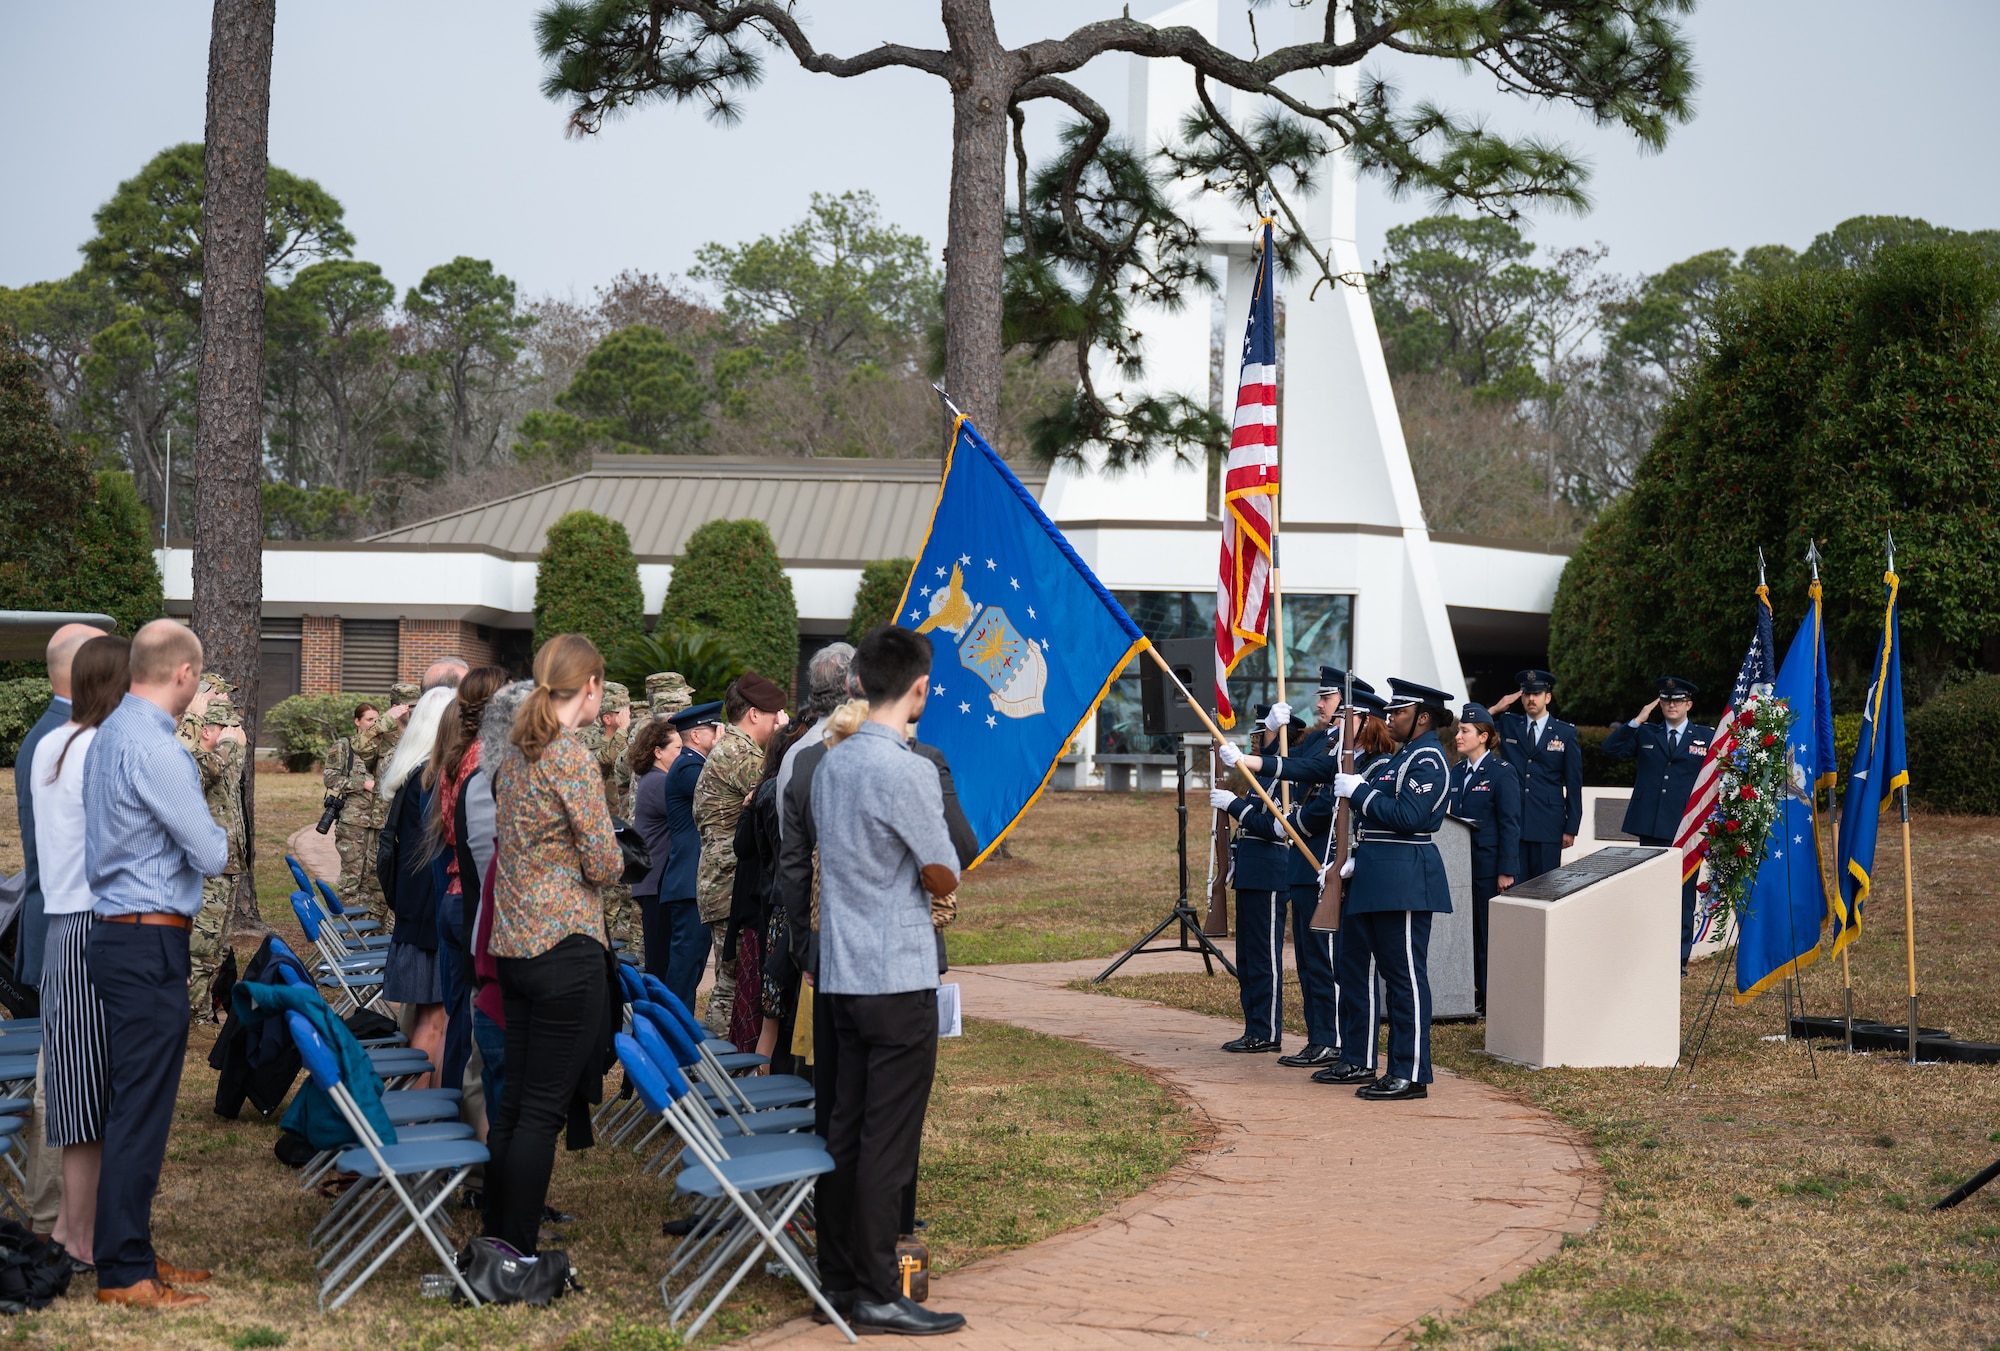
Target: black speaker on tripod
[[1162, 712]]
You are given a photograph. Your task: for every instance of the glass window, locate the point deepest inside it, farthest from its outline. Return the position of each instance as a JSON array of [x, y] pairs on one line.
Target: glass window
[[1318, 632]]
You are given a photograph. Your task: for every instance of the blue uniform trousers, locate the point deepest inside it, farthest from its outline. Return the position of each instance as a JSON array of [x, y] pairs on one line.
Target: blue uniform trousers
[[685, 954], [1538, 857], [1354, 977], [1260, 964], [1484, 889], [1398, 944], [1687, 899]]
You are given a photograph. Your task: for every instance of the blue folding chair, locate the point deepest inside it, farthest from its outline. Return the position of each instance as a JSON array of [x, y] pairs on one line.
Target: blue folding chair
[[765, 1189], [405, 1186], [360, 935], [359, 980]]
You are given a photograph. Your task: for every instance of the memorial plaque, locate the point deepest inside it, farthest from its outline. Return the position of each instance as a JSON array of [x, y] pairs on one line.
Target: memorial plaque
[[1607, 818], [1585, 872]]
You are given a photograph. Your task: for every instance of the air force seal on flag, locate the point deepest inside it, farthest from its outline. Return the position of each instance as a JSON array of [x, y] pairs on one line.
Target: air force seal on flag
[[991, 648]]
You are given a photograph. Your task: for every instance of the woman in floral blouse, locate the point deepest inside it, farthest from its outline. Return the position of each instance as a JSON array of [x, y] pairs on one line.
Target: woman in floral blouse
[[556, 850]]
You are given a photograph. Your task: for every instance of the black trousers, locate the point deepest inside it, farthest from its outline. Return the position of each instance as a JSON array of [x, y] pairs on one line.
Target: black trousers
[[887, 1046], [1538, 857], [653, 934], [141, 974], [1484, 889], [554, 1002], [1687, 899], [1398, 942]]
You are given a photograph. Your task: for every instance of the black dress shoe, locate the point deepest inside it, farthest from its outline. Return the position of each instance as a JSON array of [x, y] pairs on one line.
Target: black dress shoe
[[1313, 1054], [1249, 1045], [902, 1316], [1343, 1073], [1391, 1089], [842, 1302]]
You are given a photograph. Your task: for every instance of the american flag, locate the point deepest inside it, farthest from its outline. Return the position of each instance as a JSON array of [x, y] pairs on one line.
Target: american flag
[[1757, 669], [1249, 493]]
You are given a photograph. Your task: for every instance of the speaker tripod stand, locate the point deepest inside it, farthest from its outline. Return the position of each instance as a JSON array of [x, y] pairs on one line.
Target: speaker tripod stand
[[1183, 914]]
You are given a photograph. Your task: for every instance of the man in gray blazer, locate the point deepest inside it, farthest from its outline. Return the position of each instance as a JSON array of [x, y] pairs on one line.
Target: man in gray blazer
[[884, 853]]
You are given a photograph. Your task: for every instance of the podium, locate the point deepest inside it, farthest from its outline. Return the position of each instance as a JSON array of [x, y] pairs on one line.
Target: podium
[[1583, 963]]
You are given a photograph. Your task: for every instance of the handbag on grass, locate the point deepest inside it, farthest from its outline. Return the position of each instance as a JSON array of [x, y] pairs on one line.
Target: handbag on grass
[[499, 1275]]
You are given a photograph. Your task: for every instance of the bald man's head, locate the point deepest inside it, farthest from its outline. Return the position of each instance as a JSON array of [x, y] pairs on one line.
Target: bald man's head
[[63, 644]]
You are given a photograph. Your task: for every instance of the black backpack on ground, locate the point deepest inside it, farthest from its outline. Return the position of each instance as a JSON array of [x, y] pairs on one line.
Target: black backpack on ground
[[33, 1272]]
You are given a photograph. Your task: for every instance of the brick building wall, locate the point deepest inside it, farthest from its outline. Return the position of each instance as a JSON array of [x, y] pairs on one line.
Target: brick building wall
[[319, 654], [422, 641]]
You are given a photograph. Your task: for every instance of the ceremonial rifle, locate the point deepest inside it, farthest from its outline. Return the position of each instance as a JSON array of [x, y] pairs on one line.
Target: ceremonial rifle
[[1326, 914]]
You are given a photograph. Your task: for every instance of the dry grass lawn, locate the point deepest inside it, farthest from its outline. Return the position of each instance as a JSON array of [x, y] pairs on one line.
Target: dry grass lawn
[[1028, 1135], [1757, 1204]]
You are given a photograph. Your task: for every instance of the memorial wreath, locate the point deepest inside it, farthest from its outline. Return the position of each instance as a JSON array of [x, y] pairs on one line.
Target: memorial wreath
[[1750, 790]]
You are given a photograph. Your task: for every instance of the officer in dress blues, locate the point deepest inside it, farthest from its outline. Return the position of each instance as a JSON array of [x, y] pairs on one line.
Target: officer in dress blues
[[1312, 816], [1397, 879], [1257, 872], [1670, 755], [1354, 962], [1544, 751], [1486, 795]]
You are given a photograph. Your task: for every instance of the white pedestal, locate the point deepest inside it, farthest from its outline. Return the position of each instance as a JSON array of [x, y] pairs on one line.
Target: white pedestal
[[1583, 964]]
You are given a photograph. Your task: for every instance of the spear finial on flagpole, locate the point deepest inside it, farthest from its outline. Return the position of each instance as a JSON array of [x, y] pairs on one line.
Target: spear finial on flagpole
[[1812, 557], [1760, 555], [945, 399], [1892, 550]]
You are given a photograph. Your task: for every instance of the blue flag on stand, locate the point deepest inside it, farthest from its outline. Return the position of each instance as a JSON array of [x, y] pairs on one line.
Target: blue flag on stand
[[1025, 639], [1879, 770], [1787, 905]]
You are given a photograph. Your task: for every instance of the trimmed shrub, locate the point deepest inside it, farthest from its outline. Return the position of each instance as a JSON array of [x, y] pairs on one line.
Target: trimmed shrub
[[1954, 744], [1601, 770], [588, 582], [21, 703], [730, 581], [305, 726], [882, 584]]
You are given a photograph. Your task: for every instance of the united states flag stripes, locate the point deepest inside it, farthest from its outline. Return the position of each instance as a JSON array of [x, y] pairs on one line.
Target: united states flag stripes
[[1757, 669], [1249, 493]]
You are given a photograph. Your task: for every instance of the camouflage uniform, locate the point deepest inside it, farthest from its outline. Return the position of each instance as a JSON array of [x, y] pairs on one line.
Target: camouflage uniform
[[354, 830], [372, 749], [726, 782], [667, 693], [609, 749], [222, 787], [188, 733]]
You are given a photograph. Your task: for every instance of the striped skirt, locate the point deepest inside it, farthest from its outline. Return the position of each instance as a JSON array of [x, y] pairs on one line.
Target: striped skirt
[[73, 1057]]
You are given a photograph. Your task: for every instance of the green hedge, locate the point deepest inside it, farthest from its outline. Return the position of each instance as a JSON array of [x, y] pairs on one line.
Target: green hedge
[[587, 582], [1601, 770], [882, 584], [305, 725], [729, 581], [1954, 743], [22, 702]]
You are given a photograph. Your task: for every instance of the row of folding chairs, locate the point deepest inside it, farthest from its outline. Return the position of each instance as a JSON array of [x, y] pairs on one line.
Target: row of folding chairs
[[400, 1185]]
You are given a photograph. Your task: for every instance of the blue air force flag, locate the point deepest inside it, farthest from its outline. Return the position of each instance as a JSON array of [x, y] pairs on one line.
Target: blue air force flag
[[1879, 770], [1787, 905], [1025, 639]]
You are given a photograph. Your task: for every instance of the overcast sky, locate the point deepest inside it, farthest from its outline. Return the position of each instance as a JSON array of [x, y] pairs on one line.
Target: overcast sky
[[423, 118]]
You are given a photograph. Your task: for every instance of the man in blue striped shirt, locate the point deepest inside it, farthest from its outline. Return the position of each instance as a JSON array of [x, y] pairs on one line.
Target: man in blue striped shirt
[[148, 842]]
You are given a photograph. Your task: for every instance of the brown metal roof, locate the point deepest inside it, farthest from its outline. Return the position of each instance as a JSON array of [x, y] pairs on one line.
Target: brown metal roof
[[820, 511]]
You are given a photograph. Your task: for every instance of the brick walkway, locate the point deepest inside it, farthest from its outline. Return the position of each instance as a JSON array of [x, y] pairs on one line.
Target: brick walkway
[[1316, 1219]]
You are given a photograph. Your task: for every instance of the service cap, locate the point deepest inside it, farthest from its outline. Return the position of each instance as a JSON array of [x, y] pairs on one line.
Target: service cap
[[1370, 703], [1673, 687], [700, 715], [1403, 693], [1332, 678], [1535, 682], [1477, 715]]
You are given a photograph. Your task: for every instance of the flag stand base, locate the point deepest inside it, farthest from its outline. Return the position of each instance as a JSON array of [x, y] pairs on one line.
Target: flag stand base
[[1183, 913]]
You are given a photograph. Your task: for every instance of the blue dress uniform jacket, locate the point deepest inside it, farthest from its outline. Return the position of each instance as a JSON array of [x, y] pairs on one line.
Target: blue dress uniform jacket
[[1489, 800], [1260, 860], [1551, 776], [1665, 774], [677, 880], [1396, 866]]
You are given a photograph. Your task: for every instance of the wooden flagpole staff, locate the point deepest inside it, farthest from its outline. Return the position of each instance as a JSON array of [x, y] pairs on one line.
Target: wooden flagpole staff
[[1298, 841]]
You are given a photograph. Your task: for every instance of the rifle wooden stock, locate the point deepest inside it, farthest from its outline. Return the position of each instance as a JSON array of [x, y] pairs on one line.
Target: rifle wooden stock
[[1326, 914]]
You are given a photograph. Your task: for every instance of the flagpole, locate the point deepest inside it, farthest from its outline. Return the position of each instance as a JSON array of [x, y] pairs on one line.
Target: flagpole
[[1277, 584], [1298, 841], [1909, 881]]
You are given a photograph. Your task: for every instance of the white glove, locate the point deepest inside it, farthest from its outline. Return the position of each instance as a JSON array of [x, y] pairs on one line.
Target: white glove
[[1345, 784], [1227, 752], [1220, 798], [1347, 868], [1280, 714]]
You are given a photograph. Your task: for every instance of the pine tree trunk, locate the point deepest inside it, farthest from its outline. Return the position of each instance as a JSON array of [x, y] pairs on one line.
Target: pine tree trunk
[[229, 440], [975, 247]]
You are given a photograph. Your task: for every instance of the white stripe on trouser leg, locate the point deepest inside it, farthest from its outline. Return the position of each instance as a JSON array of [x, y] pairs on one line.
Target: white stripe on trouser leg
[[1374, 1014], [1277, 973], [1336, 993], [1416, 999]]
